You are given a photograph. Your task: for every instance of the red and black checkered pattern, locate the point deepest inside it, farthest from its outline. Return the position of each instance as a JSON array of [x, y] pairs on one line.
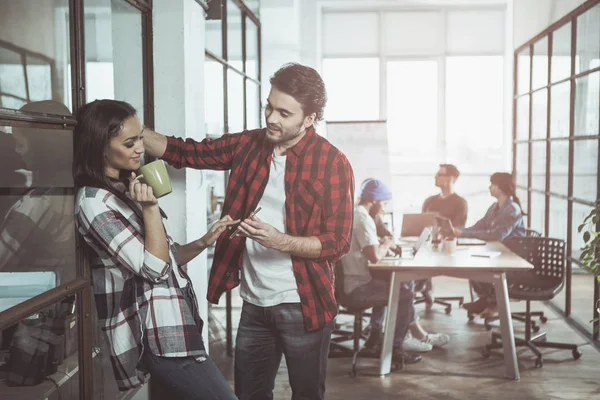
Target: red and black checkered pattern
[[319, 189]]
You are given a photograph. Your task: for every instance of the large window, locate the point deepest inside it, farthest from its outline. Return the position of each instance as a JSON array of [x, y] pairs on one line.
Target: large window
[[33, 69], [113, 53], [412, 109], [474, 112], [356, 101], [437, 77], [556, 142]]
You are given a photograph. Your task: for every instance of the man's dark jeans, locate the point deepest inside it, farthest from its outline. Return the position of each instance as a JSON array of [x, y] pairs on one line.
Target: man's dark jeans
[[264, 334]]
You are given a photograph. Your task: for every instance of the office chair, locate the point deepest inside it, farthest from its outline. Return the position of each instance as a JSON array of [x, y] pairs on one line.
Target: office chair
[[356, 308], [442, 301], [520, 316], [542, 283]]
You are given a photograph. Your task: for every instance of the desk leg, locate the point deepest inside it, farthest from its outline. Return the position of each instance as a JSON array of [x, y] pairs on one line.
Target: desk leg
[[506, 327], [385, 361]]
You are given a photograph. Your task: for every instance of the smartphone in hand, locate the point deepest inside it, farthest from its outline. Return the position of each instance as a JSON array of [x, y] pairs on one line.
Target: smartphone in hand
[[237, 226]]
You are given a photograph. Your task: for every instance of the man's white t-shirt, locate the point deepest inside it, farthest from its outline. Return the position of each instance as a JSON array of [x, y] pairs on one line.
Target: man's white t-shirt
[[355, 264], [267, 274]]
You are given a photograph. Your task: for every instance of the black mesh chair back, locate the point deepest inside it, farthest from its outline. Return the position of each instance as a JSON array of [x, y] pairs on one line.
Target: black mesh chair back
[[355, 307], [547, 256], [343, 299], [532, 233]]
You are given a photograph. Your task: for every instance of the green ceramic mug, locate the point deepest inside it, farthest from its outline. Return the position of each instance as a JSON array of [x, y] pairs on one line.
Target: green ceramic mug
[[156, 176]]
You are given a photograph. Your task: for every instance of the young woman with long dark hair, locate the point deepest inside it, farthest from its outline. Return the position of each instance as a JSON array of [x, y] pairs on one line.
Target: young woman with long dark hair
[[144, 297], [502, 220]]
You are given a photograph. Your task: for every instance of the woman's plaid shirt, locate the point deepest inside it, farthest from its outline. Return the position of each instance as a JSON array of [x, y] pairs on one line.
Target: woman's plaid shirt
[[319, 191], [139, 298]]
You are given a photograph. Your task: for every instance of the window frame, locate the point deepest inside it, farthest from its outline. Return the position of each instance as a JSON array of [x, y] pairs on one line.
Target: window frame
[[247, 14], [80, 286], [572, 139]]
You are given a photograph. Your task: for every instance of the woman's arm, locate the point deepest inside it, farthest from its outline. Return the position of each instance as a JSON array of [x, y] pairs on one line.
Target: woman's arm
[[155, 237], [479, 226], [109, 230], [501, 227], [188, 252], [377, 252]]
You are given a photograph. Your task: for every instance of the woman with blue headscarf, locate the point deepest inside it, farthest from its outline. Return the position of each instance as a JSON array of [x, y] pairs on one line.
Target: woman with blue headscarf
[[369, 291]]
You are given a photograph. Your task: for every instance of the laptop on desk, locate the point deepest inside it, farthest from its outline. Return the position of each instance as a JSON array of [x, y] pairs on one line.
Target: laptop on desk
[[413, 224], [409, 252]]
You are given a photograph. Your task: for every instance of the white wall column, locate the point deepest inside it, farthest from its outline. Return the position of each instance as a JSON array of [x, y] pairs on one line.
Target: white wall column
[[179, 29]]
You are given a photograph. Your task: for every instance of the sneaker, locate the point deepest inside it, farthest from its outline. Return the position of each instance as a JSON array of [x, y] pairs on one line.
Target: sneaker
[[437, 339], [416, 345], [374, 340]]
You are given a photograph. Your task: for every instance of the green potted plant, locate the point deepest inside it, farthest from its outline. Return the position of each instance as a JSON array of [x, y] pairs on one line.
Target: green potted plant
[[590, 255]]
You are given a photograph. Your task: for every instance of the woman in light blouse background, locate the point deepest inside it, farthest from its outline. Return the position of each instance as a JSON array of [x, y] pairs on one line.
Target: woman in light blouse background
[[502, 220]]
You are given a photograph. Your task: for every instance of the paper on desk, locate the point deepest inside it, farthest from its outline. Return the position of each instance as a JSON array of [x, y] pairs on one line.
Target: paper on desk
[[485, 254]]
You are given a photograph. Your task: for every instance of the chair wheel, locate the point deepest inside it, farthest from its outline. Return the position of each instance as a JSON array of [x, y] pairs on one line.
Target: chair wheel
[[448, 310], [488, 326], [471, 317], [535, 328], [576, 354], [486, 352], [539, 363], [543, 319]]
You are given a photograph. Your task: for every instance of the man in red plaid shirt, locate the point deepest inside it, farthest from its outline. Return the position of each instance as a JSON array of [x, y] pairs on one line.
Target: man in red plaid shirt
[[283, 258]]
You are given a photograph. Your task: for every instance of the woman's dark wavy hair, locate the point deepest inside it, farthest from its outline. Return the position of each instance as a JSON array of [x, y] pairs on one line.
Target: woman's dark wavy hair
[[506, 183], [305, 85], [97, 123]]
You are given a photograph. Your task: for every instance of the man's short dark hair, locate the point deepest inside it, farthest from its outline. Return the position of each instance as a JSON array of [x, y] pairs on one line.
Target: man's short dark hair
[[305, 85], [451, 170]]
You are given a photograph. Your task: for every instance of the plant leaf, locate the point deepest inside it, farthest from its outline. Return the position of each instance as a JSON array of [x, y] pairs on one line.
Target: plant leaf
[[584, 253], [580, 228], [586, 237]]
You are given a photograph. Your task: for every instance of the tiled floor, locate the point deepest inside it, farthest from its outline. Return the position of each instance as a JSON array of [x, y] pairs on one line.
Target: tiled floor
[[457, 371]]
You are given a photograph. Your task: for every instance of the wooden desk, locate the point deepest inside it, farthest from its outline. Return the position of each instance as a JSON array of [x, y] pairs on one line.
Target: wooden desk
[[461, 264]]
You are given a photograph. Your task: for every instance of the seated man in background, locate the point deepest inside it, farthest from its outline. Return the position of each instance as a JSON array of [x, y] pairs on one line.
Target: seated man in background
[[361, 286], [447, 204]]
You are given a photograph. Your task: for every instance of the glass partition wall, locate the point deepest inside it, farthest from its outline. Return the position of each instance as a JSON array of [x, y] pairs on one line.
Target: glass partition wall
[[232, 101], [556, 144], [54, 57]]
